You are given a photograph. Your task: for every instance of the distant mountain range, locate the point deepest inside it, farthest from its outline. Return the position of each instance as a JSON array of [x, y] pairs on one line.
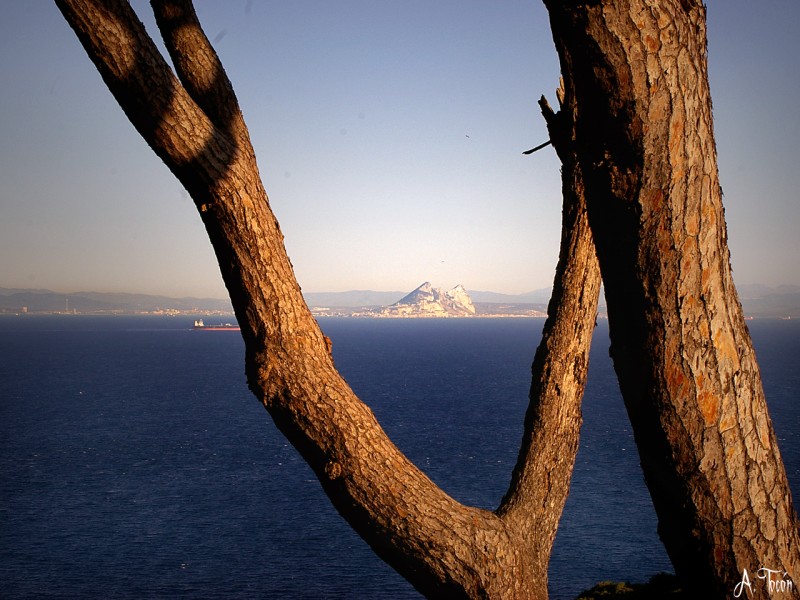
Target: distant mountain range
[[15, 300], [368, 298], [425, 301], [757, 300], [764, 301]]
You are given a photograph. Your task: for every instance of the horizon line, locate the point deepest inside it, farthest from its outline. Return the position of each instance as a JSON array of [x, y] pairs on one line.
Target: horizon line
[[175, 295]]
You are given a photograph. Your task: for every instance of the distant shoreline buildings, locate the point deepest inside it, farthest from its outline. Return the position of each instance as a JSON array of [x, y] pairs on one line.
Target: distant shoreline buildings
[[424, 302]]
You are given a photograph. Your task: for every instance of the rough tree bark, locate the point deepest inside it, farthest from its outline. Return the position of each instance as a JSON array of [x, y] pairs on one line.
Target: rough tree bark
[[445, 549], [634, 135], [637, 84]]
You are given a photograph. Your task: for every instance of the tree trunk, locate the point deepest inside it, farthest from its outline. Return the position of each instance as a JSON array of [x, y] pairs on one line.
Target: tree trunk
[[193, 123], [636, 80], [552, 425]]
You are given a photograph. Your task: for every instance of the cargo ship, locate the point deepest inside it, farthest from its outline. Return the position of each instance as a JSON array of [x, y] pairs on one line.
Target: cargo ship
[[200, 326]]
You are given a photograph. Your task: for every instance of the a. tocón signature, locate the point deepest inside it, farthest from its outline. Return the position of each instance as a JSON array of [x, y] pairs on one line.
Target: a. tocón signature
[[776, 581]]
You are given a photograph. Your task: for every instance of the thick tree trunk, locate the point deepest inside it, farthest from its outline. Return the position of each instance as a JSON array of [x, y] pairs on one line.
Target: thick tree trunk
[[443, 548], [636, 78]]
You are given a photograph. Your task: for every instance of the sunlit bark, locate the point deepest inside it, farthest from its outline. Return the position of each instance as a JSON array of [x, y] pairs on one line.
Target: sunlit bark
[[444, 548], [634, 133], [636, 74]]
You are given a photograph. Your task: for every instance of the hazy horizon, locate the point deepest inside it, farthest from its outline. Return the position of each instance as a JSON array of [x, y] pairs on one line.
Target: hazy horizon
[[389, 138], [343, 291]]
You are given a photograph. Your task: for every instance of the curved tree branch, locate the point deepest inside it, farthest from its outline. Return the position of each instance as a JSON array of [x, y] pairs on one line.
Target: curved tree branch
[[442, 547], [541, 479]]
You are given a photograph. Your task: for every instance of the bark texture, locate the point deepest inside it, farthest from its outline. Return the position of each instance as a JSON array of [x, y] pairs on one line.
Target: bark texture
[[552, 426], [636, 76], [442, 547]]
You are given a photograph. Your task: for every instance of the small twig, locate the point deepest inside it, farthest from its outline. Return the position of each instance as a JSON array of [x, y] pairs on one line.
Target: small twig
[[539, 147]]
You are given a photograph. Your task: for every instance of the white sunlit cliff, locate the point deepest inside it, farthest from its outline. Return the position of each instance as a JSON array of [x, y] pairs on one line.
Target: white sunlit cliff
[[428, 301]]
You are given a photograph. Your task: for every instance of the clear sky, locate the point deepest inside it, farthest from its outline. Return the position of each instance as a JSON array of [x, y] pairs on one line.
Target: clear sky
[[389, 136]]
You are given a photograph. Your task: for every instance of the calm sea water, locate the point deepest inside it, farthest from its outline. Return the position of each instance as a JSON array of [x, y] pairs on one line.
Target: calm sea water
[[134, 463]]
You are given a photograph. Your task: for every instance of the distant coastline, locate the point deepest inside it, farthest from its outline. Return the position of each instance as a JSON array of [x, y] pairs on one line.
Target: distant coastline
[[758, 301], [37, 301]]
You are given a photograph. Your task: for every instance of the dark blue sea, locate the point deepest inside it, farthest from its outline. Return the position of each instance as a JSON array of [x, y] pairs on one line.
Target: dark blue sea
[[134, 463]]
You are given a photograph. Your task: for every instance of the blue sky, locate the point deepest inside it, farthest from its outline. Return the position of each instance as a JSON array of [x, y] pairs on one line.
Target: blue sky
[[389, 137]]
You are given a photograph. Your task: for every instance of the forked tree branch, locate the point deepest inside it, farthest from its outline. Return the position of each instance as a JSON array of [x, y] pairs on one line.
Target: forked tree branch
[[198, 67], [441, 546]]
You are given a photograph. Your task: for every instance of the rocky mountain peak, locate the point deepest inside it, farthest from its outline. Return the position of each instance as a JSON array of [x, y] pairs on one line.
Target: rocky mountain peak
[[427, 300], [459, 296]]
